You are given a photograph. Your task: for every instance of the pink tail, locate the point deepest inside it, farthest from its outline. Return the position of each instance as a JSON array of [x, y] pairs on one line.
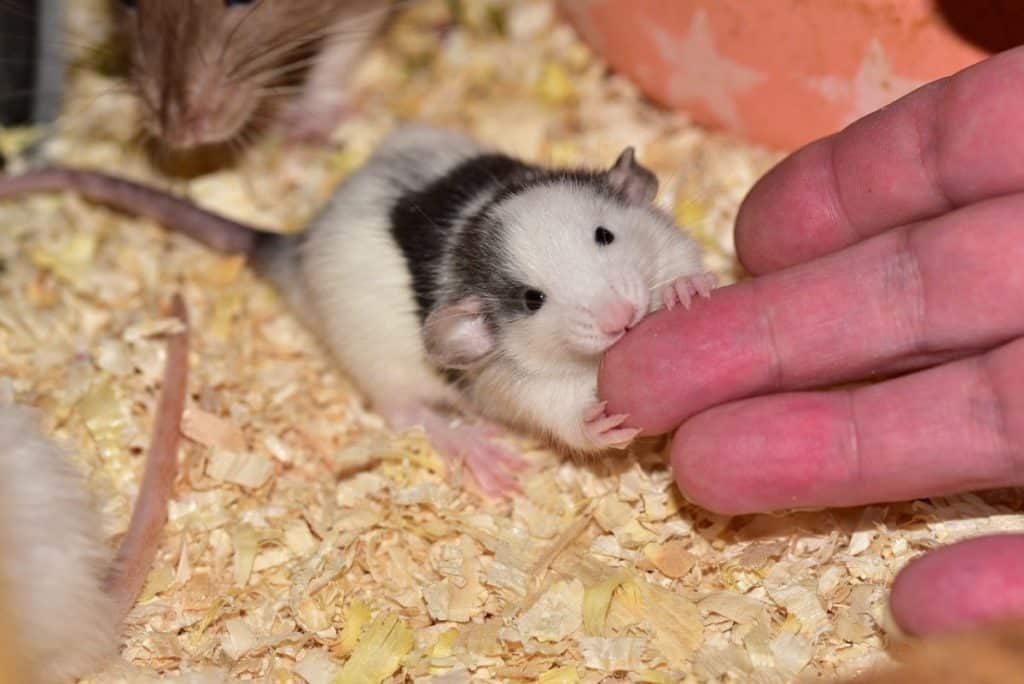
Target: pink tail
[[140, 544], [216, 232]]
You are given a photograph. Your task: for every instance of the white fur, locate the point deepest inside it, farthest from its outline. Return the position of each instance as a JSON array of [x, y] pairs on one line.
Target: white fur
[[543, 373], [53, 558], [550, 236], [355, 277], [547, 376]]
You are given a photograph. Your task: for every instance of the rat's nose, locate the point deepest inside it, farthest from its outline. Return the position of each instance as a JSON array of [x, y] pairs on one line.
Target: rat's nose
[[616, 316]]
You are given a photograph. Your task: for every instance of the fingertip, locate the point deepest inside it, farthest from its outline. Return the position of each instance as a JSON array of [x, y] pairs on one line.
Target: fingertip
[[972, 582], [793, 213], [617, 390], [635, 376], [722, 461], [759, 235], [752, 251], [695, 455], [674, 364]]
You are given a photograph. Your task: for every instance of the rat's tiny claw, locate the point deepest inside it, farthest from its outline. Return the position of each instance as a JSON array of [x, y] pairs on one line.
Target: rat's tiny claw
[[604, 430], [682, 290], [622, 438], [705, 283], [668, 298], [604, 423], [594, 411]]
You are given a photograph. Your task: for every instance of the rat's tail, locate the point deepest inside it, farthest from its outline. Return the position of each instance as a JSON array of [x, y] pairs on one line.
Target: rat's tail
[[141, 542], [61, 599], [212, 230]]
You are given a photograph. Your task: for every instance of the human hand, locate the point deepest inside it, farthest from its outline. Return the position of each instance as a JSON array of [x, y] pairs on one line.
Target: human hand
[[892, 246]]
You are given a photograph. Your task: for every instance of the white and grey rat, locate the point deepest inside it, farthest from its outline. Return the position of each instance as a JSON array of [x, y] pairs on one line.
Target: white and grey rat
[[206, 70], [62, 594], [444, 275]]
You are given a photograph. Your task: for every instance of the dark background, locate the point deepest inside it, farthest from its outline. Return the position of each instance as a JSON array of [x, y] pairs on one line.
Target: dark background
[[18, 20]]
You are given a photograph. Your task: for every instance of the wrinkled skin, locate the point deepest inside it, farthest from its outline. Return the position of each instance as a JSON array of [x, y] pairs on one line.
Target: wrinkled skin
[[895, 247]]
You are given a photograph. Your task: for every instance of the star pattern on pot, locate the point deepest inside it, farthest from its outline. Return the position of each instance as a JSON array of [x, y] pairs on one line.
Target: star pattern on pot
[[873, 86], [699, 72]]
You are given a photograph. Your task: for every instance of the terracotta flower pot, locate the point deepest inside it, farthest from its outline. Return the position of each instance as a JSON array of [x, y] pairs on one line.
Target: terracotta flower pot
[[784, 72]]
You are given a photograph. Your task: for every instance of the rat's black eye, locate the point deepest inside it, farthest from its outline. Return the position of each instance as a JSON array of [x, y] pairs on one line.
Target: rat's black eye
[[603, 236], [231, 3], [130, 4], [533, 299]]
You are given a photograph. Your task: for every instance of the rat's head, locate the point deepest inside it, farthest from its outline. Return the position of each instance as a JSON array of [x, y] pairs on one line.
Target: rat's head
[[555, 270], [204, 69]]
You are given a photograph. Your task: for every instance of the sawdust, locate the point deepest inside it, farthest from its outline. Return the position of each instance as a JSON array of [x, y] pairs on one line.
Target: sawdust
[[305, 543]]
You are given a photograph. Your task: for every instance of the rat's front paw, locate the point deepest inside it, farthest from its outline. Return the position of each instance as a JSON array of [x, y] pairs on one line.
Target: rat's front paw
[[604, 431], [305, 125], [683, 290]]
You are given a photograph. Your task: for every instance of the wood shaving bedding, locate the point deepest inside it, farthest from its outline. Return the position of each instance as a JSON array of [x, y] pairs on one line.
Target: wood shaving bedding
[[307, 544]]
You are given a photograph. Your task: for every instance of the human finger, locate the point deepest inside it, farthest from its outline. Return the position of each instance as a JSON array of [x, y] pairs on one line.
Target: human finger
[[975, 581], [947, 429], [901, 300], [951, 143]]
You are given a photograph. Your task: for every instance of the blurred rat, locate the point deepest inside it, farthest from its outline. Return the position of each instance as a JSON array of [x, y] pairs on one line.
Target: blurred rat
[[62, 596], [206, 71], [448, 278]]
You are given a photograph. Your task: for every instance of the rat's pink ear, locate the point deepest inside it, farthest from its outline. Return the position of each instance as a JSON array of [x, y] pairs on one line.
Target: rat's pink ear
[[631, 179], [457, 336]]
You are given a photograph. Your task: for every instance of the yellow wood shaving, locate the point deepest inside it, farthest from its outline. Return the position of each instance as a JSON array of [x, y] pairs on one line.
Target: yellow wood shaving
[[596, 600], [672, 559], [357, 614], [350, 510], [211, 430], [379, 652], [567, 674]]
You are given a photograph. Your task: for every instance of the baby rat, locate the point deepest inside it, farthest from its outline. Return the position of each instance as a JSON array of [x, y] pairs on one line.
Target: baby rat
[[446, 276], [63, 597], [205, 70]]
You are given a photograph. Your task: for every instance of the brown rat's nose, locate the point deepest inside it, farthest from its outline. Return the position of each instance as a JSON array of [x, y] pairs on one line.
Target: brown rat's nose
[[191, 120], [615, 316], [177, 125]]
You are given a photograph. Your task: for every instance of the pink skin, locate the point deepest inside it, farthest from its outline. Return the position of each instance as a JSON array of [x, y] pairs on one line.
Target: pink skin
[[616, 317], [929, 593], [466, 444], [894, 245], [605, 430], [683, 290]]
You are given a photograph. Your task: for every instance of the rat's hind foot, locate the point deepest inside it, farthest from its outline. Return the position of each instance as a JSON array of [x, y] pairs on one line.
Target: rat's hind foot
[[489, 463], [683, 290], [469, 444], [606, 432]]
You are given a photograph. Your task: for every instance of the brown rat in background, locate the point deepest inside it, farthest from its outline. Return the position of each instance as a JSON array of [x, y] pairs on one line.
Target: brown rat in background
[[208, 72], [62, 598]]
